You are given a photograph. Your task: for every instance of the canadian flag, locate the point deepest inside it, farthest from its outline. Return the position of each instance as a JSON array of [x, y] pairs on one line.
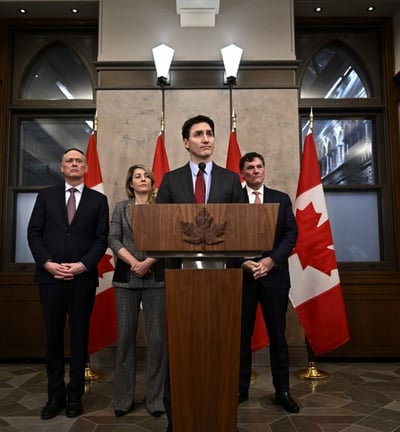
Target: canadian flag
[[160, 160], [316, 292], [103, 321], [259, 338]]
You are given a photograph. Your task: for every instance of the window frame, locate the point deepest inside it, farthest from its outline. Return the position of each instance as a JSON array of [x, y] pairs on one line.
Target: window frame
[[24, 109], [375, 108]]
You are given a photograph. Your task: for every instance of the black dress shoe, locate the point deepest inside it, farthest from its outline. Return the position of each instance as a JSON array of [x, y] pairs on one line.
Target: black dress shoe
[[286, 401], [74, 408], [157, 413], [243, 396], [52, 409]]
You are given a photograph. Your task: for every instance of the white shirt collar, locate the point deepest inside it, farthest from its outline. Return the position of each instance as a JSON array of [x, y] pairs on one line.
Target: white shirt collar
[[195, 168], [79, 188]]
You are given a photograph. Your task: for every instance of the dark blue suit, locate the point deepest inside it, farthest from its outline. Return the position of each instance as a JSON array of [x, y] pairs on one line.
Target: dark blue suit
[[50, 237], [272, 293]]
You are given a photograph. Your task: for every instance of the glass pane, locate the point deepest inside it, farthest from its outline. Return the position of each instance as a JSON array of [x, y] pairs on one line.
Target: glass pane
[[43, 141], [25, 202], [57, 73], [355, 238], [344, 149], [333, 74]]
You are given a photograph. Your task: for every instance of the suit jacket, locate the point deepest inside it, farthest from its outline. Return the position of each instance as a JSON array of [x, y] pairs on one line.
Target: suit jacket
[[121, 235], [50, 237], [285, 240], [177, 186]]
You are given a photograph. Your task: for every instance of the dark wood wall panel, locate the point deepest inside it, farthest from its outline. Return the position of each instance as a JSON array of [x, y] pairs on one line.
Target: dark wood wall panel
[[22, 332], [196, 75], [373, 311]]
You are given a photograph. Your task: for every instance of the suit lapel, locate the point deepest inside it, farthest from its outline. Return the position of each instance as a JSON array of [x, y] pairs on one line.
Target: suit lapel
[[82, 204], [265, 197], [59, 201], [245, 194], [128, 213], [186, 183], [216, 180]]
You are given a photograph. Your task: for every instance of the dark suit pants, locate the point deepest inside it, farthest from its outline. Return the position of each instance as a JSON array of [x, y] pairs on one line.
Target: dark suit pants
[[61, 301], [274, 303]]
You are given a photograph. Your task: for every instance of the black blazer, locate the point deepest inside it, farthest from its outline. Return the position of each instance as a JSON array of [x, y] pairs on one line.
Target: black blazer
[[284, 242], [177, 186], [50, 237]]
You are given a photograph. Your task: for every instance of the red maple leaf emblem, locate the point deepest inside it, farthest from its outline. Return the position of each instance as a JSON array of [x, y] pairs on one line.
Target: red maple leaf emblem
[[105, 265], [313, 241]]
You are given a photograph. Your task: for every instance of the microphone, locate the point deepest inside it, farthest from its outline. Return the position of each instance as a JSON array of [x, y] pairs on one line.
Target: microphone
[[202, 167]]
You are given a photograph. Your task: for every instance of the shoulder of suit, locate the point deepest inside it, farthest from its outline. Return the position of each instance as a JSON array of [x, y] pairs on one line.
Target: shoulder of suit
[[219, 168], [183, 168], [88, 191], [124, 203], [52, 189], [274, 192]]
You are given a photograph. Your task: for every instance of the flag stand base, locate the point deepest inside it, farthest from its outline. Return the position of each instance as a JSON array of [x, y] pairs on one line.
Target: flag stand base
[[312, 373], [91, 375]]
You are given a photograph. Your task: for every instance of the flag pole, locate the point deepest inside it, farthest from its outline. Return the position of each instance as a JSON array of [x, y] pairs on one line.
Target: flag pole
[[233, 119], [90, 374], [311, 372], [162, 121], [253, 375]]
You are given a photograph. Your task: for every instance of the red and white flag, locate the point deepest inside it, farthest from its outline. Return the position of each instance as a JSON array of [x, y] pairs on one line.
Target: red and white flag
[[316, 292], [234, 154], [160, 160], [103, 322], [259, 338]]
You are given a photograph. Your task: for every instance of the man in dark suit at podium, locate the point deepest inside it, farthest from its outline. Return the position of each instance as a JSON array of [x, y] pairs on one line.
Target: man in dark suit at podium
[[266, 282], [219, 185], [67, 234]]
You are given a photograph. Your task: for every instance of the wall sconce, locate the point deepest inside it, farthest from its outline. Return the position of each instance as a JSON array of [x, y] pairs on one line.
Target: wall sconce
[[162, 55], [231, 56]]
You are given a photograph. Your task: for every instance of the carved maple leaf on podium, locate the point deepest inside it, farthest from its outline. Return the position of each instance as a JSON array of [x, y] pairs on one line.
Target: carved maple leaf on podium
[[203, 230]]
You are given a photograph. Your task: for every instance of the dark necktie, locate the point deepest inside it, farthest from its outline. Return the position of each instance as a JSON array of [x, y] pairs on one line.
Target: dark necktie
[[71, 204], [257, 199], [199, 187]]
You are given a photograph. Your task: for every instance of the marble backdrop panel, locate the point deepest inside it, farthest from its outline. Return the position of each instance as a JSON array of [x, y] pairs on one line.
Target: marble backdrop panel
[[267, 122], [129, 122]]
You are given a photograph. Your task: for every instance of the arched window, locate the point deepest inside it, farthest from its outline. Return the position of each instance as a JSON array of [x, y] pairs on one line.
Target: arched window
[[57, 73], [334, 73], [53, 107], [338, 80]]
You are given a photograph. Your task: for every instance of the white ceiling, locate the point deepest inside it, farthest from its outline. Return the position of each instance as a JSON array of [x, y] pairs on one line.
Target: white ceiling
[[303, 8]]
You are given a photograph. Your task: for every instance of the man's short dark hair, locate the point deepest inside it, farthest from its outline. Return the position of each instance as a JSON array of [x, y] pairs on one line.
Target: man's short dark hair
[[75, 149], [194, 120], [249, 157]]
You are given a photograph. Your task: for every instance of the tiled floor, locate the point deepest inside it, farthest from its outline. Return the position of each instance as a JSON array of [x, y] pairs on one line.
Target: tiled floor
[[356, 397]]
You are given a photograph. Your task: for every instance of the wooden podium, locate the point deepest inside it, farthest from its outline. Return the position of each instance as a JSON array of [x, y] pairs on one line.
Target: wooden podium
[[203, 300]]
